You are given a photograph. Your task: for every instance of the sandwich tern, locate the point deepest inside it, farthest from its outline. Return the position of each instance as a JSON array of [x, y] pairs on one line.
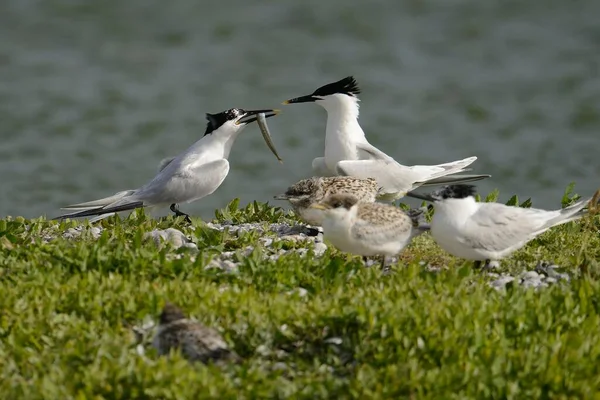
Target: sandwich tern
[[488, 231], [306, 192], [367, 229], [192, 175], [195, 341], [347, 151]]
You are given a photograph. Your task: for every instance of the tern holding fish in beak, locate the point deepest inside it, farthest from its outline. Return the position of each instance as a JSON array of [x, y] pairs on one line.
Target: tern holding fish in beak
[[192, 175]]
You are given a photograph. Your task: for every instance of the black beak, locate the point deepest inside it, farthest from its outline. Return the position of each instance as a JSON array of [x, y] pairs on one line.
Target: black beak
[[426, 197], [251, 116], [303, 99]]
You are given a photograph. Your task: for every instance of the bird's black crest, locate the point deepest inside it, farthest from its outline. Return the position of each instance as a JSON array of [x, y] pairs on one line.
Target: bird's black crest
[[171, 313], [456, 192], [215, 121], [346, 86]]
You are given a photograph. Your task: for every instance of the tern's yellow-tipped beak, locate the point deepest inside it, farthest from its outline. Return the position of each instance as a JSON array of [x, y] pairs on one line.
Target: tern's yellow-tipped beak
[[286, 102]]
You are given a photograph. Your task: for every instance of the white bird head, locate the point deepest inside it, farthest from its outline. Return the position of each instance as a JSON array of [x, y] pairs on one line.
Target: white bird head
[[337, 205], [333, 95], [234, 120]]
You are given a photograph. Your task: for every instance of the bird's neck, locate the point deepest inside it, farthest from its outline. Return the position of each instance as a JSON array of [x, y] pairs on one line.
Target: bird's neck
[[455, 211], [342, 121], [342, 133], [218, 145]]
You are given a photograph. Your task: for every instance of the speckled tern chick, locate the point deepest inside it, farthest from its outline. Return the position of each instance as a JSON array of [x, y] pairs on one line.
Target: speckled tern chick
[[306, 192], [195, 341], [367, 229]]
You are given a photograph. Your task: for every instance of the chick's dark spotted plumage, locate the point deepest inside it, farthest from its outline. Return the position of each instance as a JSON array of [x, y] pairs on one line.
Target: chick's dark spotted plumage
[[307, 192], [195, 341]]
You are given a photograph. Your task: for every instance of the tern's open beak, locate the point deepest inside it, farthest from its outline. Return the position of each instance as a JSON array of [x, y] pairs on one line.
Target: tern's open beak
[[302, 99], [251, 116], [319, 206]]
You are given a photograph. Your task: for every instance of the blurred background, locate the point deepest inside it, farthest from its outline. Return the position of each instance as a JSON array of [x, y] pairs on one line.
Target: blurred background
[[93, 94]]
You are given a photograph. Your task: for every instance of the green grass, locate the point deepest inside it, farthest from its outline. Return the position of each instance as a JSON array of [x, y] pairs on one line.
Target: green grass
[[67, 307]]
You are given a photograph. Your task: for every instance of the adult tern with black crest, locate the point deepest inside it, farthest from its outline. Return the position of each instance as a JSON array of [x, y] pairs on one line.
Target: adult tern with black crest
[[347, 151], [489, 231], [192, 175]]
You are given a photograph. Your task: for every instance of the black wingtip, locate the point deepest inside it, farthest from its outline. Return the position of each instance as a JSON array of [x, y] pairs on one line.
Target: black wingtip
[[100, 211]]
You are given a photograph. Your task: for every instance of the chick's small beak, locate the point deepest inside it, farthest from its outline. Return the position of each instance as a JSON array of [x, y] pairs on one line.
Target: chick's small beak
[[281, 197], [302, 99], [319, 206], [251, 116]]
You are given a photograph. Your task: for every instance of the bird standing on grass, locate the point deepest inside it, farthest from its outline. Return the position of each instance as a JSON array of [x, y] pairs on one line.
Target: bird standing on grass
[[195, 341], [192, 175], [488, 231], [367, 229]]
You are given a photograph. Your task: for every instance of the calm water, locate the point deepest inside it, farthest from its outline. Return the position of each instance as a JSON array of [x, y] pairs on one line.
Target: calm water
[[94, 94]]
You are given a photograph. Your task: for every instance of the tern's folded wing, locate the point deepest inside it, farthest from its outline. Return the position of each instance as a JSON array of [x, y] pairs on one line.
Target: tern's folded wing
[[496, 227], [371, 152], [186, 185]]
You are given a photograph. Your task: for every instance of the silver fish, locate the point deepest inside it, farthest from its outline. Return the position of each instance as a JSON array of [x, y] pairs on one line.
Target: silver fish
[[264, 129]]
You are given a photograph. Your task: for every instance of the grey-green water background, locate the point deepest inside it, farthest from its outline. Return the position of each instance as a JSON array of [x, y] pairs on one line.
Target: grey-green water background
[[93, 94]]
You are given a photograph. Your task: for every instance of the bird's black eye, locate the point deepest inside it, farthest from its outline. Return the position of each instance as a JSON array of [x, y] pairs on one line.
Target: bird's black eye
[[337, 204]]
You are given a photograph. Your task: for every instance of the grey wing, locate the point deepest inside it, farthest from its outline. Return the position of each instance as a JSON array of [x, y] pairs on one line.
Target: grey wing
[[496, 227], [390, 176], [185, 185], [164, 163], [371, 151]]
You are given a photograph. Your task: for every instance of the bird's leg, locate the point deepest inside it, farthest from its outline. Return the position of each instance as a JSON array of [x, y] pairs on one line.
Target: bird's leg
[[175, 208], [490, 265], [312, 231], [365, 260], [386, 269], [477, 264]]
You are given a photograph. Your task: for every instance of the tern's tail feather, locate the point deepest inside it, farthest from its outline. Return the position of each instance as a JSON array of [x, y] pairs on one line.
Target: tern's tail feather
[[446, 169], [102, 211], [454, 179], [90, 205], [102, 208], [396, 179], [571, 213]]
